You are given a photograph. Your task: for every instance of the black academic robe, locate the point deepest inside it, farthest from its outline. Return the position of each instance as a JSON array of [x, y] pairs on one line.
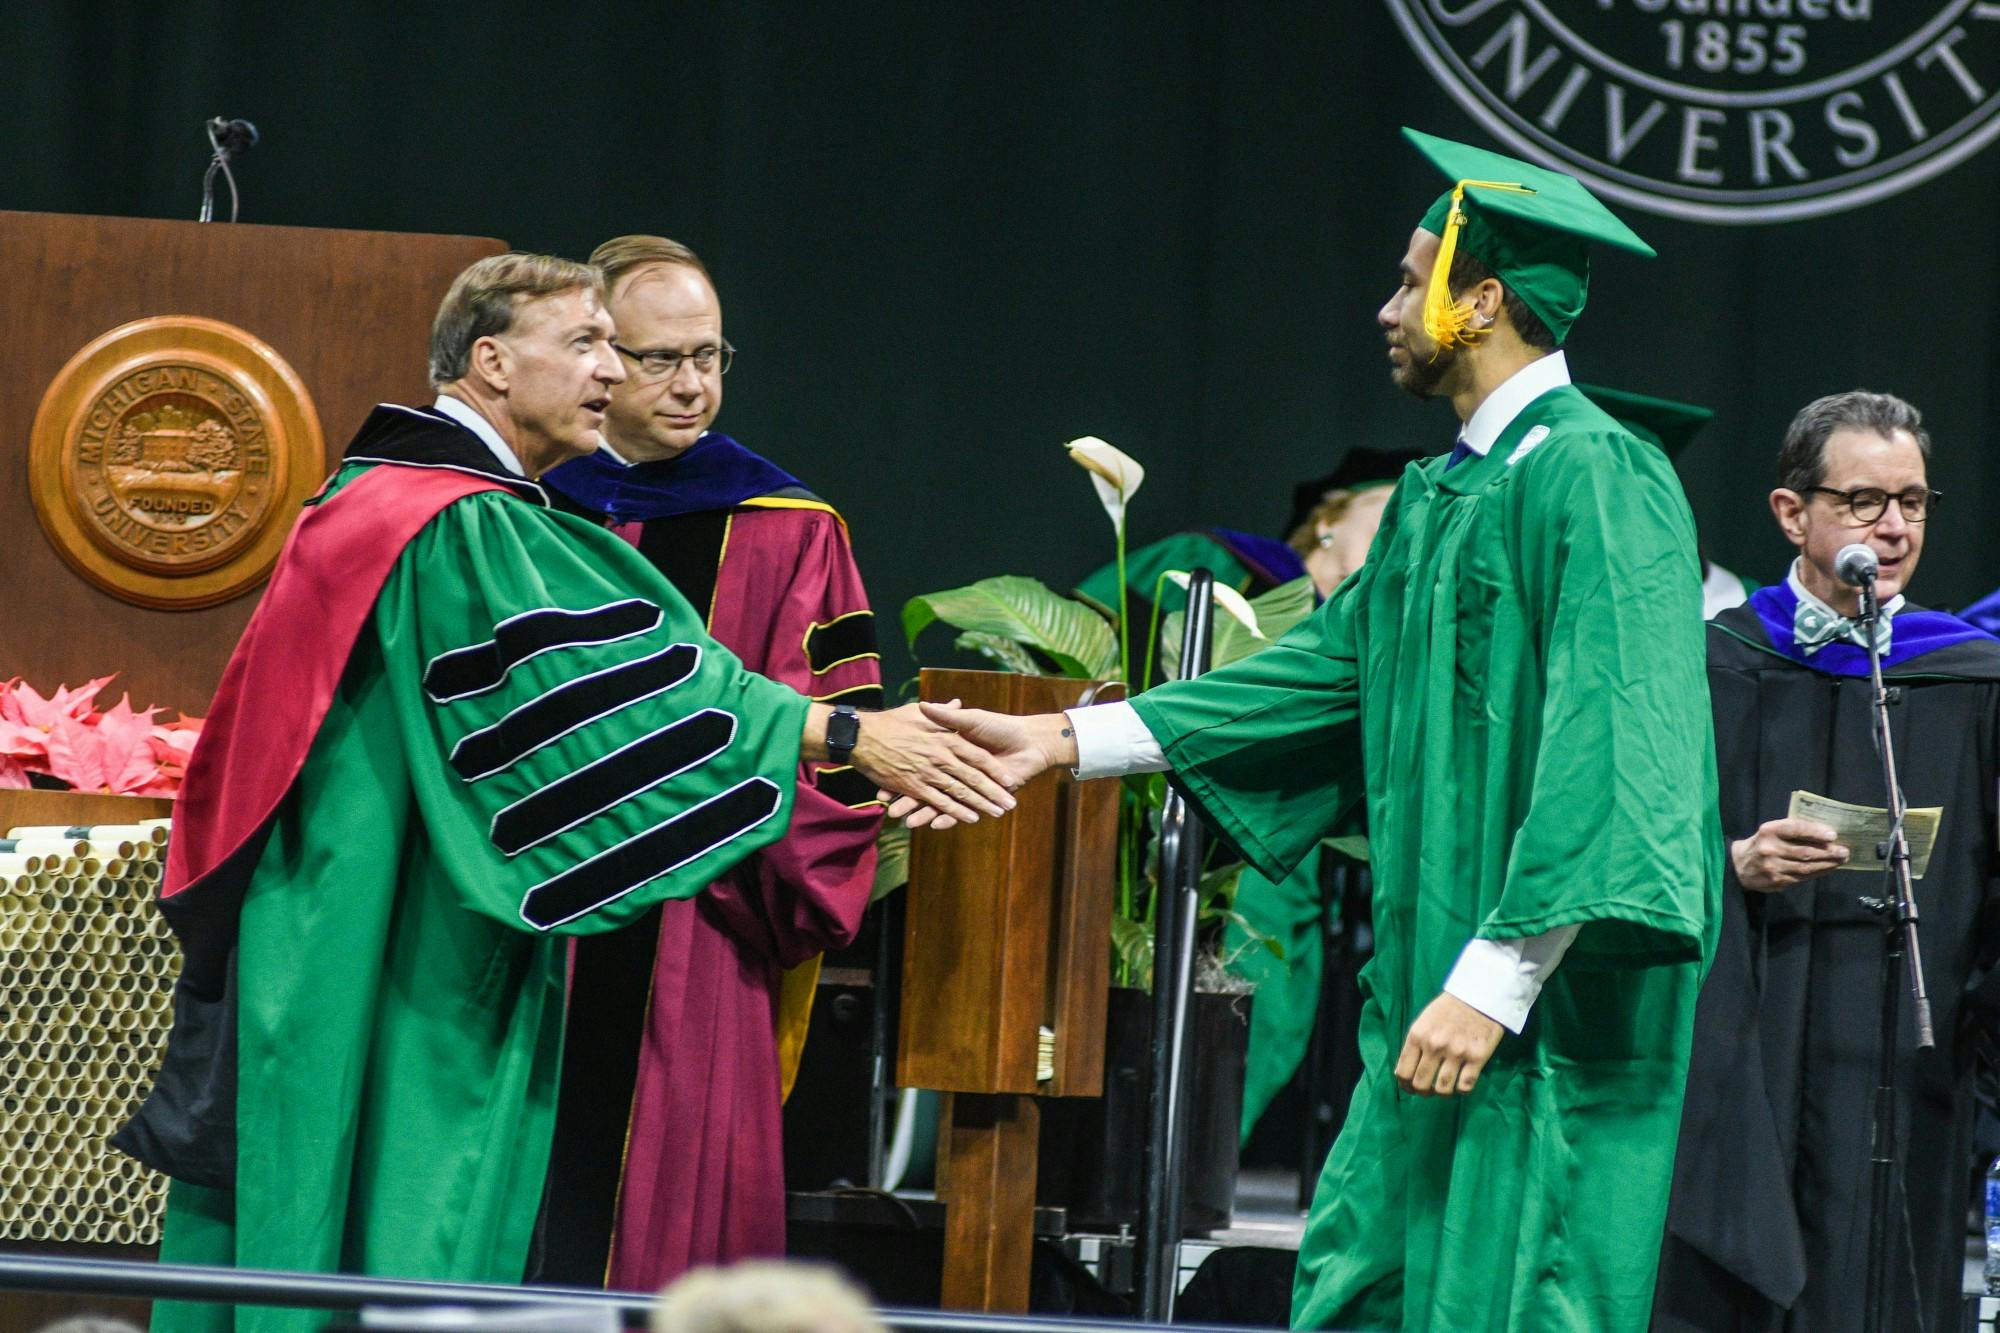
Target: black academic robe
[[1769, 1222]]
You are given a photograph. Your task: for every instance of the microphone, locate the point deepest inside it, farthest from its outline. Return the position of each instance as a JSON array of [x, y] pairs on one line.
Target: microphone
[[228, 138], [1856, 565], [233, 136]]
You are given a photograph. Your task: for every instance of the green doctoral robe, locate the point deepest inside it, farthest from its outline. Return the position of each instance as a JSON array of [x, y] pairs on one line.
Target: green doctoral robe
[[1514, 682], [399, 1017], [1293, 912]]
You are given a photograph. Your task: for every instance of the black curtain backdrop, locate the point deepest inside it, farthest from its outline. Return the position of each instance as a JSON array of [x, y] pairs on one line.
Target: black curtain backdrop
[[950, 236]]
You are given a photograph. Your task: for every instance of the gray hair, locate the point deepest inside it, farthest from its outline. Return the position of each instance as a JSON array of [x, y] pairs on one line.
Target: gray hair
[[764, 1296], [483, 299], [90, 1323], [1802, 457]]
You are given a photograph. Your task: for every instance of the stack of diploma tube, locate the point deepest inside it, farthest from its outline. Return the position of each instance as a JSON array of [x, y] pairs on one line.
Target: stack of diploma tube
[[87, 969]]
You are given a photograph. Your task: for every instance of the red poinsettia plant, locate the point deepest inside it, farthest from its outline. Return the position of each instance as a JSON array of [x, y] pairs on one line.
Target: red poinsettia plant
[[64, 740]]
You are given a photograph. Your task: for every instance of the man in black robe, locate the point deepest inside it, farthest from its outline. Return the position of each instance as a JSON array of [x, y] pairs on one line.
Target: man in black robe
[[1769, 1223]]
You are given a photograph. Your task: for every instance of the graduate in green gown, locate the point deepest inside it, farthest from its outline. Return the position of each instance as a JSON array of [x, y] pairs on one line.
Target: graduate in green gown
[[460, 728], [1513, 682], [1294, 911]]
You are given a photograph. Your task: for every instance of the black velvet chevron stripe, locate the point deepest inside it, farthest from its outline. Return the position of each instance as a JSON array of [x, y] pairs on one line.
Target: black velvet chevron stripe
[[464, 672], [625, 772], [612, 874], [851, 636], [568, 706], [846, 785]]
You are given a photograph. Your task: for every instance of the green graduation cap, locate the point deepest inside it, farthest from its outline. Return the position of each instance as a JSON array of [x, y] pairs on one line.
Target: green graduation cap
[[1531, 226], [1661, 422]]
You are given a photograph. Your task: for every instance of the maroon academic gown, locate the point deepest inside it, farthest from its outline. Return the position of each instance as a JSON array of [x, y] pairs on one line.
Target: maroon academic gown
[[668, 1147]]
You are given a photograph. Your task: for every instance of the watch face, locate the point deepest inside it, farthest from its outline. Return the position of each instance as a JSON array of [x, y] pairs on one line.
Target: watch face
[[842, 730]]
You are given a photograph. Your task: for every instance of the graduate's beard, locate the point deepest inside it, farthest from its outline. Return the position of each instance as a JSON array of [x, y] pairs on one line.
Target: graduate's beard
[[1421, 378]]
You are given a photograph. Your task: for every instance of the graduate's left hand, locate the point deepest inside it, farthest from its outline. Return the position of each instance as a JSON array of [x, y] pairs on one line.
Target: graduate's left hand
[[1447, 1049]]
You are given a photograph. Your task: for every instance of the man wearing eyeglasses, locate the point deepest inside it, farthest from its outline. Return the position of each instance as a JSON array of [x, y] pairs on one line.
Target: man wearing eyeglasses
[[684, 1032], [1769, 1222]]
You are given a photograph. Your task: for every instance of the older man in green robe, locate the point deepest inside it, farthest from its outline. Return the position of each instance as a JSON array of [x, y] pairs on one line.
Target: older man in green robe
[[1513, 682]]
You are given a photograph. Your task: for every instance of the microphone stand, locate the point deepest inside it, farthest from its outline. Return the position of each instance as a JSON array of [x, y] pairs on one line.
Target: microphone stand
[[227, 138], [1899, 942]]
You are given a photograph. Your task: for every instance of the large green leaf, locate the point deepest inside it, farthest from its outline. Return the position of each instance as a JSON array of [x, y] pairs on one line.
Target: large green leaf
[[892, 859], [1218, 888], [1003, 652], [1252, 938], [1277, 612], [1354, 846], [1132, 948], [1069, 633]]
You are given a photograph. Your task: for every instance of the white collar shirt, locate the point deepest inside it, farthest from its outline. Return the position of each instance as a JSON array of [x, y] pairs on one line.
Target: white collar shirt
[[465, 415], [1508, 401]]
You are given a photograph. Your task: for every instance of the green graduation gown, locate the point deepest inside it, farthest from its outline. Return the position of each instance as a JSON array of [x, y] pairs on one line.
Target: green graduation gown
[[1514, 681], [402, 953]]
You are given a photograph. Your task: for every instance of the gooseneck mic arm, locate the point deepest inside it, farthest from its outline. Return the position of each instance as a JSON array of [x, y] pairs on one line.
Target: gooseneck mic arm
[[228, 138]]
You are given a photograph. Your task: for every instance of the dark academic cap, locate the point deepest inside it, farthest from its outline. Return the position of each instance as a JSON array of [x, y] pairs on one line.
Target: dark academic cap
[[1533, 227], [1662, 422], [1361, 468]]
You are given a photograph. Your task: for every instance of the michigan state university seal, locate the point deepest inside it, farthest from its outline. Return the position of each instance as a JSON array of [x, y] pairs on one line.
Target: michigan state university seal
[[1724, 110], [169, 458]]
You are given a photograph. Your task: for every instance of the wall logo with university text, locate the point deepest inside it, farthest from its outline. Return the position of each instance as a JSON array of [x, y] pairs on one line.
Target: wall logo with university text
[[168, 459], [1737, 111]]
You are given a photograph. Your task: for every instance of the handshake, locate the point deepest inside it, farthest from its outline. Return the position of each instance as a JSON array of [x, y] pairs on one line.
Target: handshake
[[940, 764]]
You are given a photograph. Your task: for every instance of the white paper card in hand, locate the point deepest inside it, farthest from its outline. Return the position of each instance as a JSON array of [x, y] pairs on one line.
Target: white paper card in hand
[[1863, 828]]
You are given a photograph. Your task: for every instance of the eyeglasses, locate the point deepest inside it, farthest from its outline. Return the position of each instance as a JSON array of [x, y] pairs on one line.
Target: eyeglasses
[[1870, 502], [660, 364]]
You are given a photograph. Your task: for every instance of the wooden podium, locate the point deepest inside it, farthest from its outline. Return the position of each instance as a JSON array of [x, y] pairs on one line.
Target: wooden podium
[[169, 391], [320, 324], [1007, 932]]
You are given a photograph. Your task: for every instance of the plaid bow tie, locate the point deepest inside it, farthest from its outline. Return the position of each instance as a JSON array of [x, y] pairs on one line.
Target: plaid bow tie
[[1813, 629]]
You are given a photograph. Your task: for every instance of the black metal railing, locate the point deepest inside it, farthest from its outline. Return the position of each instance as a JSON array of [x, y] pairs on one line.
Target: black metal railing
[[348, 1292]]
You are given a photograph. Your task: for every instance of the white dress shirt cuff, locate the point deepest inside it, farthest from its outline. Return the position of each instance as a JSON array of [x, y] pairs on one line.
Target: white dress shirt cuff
[[1111, 741], [1502, 978]]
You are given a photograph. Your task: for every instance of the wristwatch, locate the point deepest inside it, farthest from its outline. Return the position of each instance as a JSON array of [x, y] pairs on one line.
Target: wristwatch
[[843, 729]]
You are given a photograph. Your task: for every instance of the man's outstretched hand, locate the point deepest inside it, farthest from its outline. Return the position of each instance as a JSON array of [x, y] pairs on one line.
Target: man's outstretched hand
[[923, 762], [1016, 748]]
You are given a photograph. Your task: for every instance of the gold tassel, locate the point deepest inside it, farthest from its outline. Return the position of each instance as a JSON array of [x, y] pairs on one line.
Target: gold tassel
[[1449, 322]]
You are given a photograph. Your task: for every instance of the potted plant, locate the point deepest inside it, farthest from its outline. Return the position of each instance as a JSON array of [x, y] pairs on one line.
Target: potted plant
[[1020, 624]]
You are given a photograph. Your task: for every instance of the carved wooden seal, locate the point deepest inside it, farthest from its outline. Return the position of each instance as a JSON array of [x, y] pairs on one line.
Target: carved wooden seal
[[169, 459]]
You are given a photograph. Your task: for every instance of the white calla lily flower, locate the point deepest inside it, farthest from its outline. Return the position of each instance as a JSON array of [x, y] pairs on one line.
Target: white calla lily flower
[[1115, 473], [1227, 598]]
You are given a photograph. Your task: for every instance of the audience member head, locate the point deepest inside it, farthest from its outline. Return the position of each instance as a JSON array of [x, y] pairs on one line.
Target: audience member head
[[1333, 518], [670, 336], [764, 1296], [1853, 468], [526, 341], [1335, 536], [89, 1323]]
